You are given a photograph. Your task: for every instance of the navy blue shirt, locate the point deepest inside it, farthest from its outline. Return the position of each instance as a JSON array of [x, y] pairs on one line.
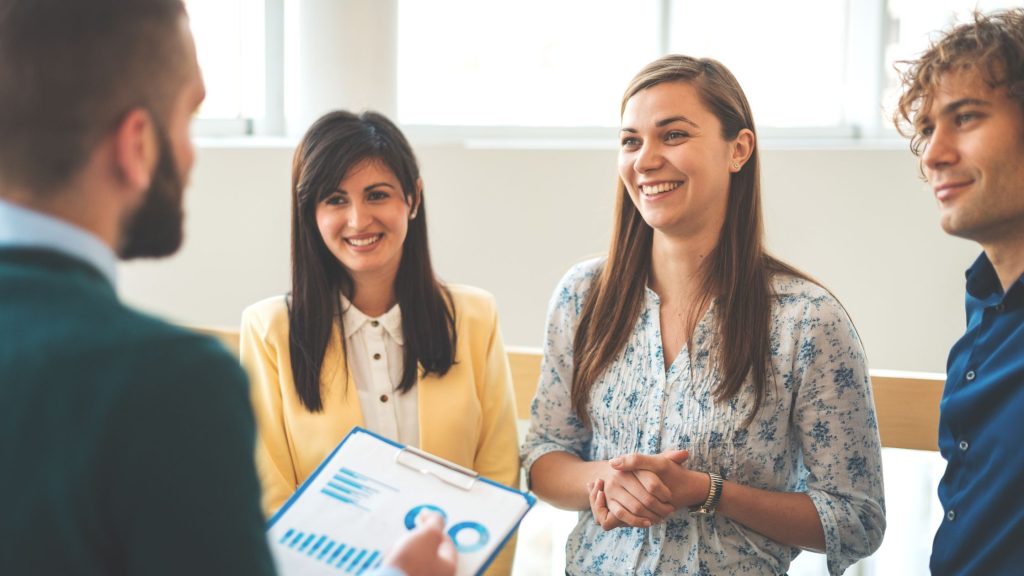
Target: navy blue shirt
[[981, 434]]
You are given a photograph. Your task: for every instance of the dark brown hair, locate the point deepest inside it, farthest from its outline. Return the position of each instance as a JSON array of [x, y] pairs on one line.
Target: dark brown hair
[[69, 71], [738, 271], [334, 144], [992, 44]]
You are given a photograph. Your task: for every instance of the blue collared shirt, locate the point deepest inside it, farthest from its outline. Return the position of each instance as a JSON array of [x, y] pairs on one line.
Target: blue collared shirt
[[24, 228], [980, 431]]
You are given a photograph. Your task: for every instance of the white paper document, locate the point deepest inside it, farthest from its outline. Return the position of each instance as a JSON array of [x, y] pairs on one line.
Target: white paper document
[[368, 493]]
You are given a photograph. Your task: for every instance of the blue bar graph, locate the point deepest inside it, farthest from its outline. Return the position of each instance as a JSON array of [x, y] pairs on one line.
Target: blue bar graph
[[366, 479], [352, 488], [332, 491], [306, 542], [317, 545], [375, 557], [356, 561], [337, 552], [346, 559]]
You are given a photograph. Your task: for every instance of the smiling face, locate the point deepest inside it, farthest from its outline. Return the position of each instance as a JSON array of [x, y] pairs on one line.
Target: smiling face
[[364, 222], [974, 157], [674, 162]]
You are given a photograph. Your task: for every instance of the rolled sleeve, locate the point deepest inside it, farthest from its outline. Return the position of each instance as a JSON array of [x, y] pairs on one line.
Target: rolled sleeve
[[838, 433]]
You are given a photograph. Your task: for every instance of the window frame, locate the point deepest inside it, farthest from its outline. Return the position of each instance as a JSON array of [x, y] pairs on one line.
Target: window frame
[[863, 120], [272, 123], [868, 27]]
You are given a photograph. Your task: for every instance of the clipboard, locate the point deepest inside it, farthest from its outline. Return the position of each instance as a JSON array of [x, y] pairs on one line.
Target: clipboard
[[368, 493]]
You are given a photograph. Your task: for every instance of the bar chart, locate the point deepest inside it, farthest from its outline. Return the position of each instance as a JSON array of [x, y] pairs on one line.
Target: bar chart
[[354, 489], [344, 558]]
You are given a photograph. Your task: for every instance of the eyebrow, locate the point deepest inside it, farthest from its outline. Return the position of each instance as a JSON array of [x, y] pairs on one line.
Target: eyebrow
[[953, 106], [340, 190], [665, 122]]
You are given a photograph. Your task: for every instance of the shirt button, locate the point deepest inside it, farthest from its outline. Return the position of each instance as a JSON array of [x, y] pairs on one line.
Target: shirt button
[[964, 445], [969, 375], [951, 515], [376, 356], [383, 397], [374, 323]]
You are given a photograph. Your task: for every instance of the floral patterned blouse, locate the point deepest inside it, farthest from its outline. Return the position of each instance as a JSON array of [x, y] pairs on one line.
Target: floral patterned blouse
[[815, 433]]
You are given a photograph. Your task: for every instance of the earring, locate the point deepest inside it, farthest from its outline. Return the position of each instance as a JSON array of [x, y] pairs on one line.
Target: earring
[[413, 215], [736, 166]]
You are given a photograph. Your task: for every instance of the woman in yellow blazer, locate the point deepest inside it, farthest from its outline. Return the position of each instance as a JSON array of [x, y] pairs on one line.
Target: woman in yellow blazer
[[367, 336]]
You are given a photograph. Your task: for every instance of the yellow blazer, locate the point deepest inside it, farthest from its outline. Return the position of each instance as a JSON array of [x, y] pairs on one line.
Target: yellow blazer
[[467, 416]]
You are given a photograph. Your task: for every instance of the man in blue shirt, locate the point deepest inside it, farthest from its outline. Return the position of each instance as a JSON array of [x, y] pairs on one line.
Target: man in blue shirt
[[127, 443], [963, 106]]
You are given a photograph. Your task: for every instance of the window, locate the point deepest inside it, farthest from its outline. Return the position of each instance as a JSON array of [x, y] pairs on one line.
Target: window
[[787, 54], [542, 63], [522, 63], [913, 23], [809, 67], [229, 37], [542, 68]]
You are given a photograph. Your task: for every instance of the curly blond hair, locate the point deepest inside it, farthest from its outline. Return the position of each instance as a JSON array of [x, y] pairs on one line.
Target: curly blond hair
[[992, 44]]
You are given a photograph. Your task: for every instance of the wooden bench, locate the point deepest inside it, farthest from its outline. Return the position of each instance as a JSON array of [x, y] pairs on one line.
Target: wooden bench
[[907, 403]]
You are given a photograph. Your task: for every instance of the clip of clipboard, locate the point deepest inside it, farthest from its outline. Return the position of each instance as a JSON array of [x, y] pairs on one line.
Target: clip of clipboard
[[428, 464]]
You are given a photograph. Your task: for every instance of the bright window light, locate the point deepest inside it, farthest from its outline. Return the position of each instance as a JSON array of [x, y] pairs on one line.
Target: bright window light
[[915, 23], [788, 55], [522, 63], [229, 37]]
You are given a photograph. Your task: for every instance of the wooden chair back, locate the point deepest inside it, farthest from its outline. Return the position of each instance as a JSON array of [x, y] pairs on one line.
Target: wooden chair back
[[907, 403]]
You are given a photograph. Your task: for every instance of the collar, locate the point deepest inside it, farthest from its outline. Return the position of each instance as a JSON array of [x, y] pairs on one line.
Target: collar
[[982, 280], [354, 320], [25, 228]]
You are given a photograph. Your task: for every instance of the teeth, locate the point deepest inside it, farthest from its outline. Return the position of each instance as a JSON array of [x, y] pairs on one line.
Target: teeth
[[659, 188], [364, 241]]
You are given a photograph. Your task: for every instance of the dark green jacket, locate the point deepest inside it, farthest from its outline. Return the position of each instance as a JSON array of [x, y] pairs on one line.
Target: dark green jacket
[[126, 444]]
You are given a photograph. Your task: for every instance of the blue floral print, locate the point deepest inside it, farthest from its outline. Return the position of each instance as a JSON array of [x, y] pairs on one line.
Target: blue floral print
[[816, 432]]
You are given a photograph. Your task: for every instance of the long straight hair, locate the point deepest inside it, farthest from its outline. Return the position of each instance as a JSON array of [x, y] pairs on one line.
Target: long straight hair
[[738, 271], [332, 146]]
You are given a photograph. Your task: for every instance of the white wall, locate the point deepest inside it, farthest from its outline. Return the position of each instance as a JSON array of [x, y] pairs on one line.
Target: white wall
[[513, 220]]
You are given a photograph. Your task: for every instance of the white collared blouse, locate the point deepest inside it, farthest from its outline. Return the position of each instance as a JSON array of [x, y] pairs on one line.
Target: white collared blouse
[[816, 433], [376, 357]]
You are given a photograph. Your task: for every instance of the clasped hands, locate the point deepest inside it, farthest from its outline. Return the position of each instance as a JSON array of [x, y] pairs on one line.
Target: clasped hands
[[641, 490]]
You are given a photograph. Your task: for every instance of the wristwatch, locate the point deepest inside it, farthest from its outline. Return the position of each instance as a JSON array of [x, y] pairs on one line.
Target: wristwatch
[[710, 505]]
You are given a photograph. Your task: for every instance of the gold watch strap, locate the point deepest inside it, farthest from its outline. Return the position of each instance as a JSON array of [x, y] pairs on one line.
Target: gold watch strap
[[710, 505]]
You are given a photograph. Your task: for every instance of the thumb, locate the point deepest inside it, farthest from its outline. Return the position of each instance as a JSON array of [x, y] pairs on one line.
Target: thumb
[[446, 551], [432, 521], [677, 456]]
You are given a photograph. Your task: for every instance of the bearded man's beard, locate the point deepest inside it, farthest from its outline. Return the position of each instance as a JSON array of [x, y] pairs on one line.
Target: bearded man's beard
[[155, 228]]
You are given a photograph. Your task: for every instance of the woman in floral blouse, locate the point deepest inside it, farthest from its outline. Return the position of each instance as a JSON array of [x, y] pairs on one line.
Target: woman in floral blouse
[[705, 406]]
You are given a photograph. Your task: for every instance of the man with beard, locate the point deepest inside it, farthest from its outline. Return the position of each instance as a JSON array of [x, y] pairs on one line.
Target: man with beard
[[963, 105], [126, 443]]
